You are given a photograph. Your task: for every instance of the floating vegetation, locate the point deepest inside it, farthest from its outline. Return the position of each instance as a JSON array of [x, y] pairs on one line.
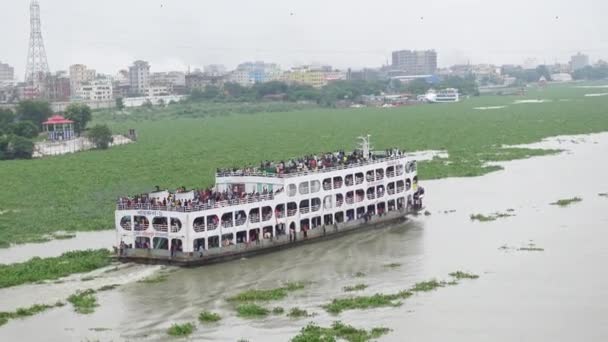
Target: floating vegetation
[[84, 302], [463, 275], [338, 330], [449, 211], [154, 279], [603, 194], [38, 269], [567, 201], [510, 210], [359, 275], [298, 313], [487, 218], [427, 213], [99, 329], [358, 287], [26, 312], [251, 310], [277, 310], [89, 278], [338, 305], [531, 249], [108, 287], [63, 236], [209, 317], [393, 265], [179, 330], [267, 295]]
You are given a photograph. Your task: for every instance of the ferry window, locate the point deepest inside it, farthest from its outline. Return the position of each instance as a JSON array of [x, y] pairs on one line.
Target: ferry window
[[359, 178], [408, 184], [391, 188], [381, 208], [176, 225], [400, 203], [339, 200], [241, 218], [212, 222], [142, 242], [379, 174], [399, 169], [410, 167], [391, 205], [315, 222], [292, 208], [266, 213], [227, 220], [315, 186], [359, 195], [254, 234], [304, 206], [390, 172], [279, 211], [369, 176], [400, 186], [315, 204], [337, 182], [241, 237], [350, 197], [214, 242], [350, 215], [198, 245], [125, 222], [291, 190], [177, 245], [160, 243], [160, 224], [328, 219], [304, 189], [227, 240], [415, 181], [199, 224], [371, 193], [280, 229], [327, 204], [380, 191], [141, 223], [267, 233], [339, 216], [254, 215], [327, 184], [371, 209], [349, 180], [360, 212]]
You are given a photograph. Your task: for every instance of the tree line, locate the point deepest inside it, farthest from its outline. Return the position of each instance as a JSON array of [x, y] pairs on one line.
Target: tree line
[[19, 128]]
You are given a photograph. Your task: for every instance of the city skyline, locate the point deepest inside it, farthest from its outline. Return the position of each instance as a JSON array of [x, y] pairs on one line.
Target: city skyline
[[170, 37]]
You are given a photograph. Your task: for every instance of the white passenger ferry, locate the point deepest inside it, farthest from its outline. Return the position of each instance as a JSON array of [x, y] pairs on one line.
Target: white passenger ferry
[[278, 205]]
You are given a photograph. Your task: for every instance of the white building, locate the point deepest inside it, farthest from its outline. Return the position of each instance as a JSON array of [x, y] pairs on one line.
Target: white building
[[561, 77], [7, 74], [79, 74], [249, 73], [579, 61], [96, 90], [158, 90], [139, 77]]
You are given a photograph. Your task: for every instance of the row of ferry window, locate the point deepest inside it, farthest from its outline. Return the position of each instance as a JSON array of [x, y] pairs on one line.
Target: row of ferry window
[[239, 218], [271, 231], [314, 186]]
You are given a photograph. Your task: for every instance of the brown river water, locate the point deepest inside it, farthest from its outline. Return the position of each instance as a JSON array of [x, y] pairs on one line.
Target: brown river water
[[559, 294]]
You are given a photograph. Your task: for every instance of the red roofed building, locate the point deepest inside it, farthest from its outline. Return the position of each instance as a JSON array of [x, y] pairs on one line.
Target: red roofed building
[[59, 128]]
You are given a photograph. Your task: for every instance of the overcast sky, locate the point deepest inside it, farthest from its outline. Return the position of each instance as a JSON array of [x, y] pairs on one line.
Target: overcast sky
[[172, 34]]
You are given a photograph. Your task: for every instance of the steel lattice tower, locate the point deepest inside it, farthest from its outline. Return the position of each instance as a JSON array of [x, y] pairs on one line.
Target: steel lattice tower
[[37, 65]]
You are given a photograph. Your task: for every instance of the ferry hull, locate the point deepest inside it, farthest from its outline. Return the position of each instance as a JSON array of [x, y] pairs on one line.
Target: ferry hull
[[235, 252]]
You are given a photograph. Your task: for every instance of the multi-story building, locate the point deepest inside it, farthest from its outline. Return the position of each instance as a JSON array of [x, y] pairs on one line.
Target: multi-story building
[[415, 62], [198, 81], [316, 76], [100, 89], [250, 73], [139, 78], [79, 74], [7, 74], [158, 90], [365, 74], [215, 70], [579, 61], [57, 87]]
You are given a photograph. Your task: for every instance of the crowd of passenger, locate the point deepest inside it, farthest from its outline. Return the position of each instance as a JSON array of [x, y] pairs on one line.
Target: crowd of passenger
[[309, 163], [202, 199]]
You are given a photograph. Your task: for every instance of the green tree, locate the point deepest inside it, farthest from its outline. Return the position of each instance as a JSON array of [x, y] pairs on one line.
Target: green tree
[[7, 117], [80, 114], [26, 129], [120, 104], [34, 111], [418, 86], [19, 148], [100, 136]]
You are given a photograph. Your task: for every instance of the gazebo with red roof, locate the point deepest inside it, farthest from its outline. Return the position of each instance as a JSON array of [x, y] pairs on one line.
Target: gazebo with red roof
[[59, 128]]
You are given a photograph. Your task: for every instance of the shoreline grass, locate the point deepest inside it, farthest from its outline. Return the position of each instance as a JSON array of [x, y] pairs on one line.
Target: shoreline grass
[[338, 330], [181, 330], [27, 312], [463, 275], [566, 201], [41, 269]]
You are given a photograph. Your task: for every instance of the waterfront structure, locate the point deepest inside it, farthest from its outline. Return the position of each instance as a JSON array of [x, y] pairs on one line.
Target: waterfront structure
[[139, 78], [441, 96], [79, 74], [7, 74], [415, 62], [58, 128], [100, 89], [253, 210], [37, 66], [579, 61]]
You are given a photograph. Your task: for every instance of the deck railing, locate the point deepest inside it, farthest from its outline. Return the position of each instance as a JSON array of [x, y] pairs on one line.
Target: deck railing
[[197, 207], [292, 212]]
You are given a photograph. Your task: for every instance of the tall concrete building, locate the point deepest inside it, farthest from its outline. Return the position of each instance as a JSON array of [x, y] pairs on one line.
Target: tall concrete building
[[7, 74], [79, 74], [139, 78], [57, 87], [579, 61], [415, 62]]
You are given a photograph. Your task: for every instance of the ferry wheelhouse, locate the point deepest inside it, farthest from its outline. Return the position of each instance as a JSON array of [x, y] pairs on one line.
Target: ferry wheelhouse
[[279, 205]]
